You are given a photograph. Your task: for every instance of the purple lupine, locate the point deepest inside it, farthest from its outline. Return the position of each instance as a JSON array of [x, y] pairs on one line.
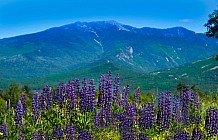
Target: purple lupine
[[160, 113], [109, 86], [116, 95], [48, 97], [175, 109], [143, 136], [181, 135], [164, 110], [85, 135], [146, 119], [137, 106], [108, 115], [122, 121], [146, 116], [35, 106], [137, 96], [211, 122], [115, 120], [56, 98], [83, 98], [4, 129], [130, 109], [101, 90], [197, 134], [129, 135], [64, 91], [70, 132], [124, 101], [196, 119], [195, 103], [207, 120], [108, 98], [102, 118], [150, 116], [181, 108], [60, 95], [23, 101], [74, 96], [127, 122], [127, 94], [105, 99], [142, 118], [105, 93], [91, 93], [38, 135], [76, 84], [49, 100], [58, 133], [96, 120], [71, 97], [43, 99], [21, 135], [185, 100], [19, 114], [167, 110]]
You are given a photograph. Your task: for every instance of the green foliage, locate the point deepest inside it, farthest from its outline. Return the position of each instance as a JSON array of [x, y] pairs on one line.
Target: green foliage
[[107, 134], [2, 104], [12, 94], [26, 89], [212, 25], [83, 120], [147, 97], [181, 86]]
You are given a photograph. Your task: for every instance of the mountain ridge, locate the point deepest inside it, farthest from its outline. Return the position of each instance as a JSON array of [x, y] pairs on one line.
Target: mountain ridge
[[74, 46], [108, 21]]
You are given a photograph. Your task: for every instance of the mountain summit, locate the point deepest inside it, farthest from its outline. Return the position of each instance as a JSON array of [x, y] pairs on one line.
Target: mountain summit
[[81, 44]]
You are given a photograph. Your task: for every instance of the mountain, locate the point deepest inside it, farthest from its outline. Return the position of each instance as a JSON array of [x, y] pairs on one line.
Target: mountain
[[83, 44]]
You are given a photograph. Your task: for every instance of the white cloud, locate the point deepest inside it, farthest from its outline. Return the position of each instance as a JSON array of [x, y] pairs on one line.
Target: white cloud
[[185, 20]]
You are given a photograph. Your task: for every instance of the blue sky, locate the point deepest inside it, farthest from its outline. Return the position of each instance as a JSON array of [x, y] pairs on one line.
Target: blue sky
[[19, 17]]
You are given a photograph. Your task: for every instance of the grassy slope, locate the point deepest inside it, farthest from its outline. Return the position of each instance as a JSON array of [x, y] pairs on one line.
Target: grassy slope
[[203, 74]]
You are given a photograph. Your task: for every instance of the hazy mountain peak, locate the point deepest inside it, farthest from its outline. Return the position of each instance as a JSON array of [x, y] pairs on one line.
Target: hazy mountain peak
[[89, 26], [113, 22]]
